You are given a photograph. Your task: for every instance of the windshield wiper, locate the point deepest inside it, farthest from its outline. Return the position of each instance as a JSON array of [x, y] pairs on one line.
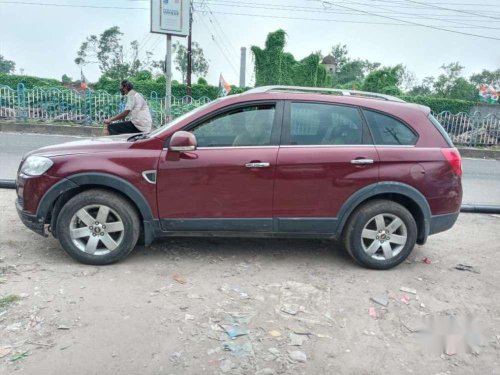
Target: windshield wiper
[[136, 137]]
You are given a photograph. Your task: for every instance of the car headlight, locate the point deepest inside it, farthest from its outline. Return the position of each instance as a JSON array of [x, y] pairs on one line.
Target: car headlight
[[36, 165]]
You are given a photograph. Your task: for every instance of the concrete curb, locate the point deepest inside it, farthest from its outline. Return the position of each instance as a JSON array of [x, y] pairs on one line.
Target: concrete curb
[[52, 129], [466, 208], [479, 153]]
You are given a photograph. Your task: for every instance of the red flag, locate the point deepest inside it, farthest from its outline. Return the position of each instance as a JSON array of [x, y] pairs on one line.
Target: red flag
[[83, 81]]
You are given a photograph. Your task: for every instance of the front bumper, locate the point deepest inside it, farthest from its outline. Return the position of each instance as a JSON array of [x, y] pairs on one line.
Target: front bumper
[[34, 223]]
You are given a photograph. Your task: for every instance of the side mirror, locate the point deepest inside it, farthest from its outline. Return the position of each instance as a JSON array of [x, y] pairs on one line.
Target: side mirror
[[182, 141]]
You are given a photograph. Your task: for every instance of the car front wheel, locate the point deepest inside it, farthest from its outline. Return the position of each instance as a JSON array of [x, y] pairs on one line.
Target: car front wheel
[[98, 227], [380, 234]]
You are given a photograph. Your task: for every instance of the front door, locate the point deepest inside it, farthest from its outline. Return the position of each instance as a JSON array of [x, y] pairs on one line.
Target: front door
[[326, 156], [226, 184]]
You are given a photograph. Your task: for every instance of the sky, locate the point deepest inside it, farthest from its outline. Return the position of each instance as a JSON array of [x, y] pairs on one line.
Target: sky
[[43, 39]]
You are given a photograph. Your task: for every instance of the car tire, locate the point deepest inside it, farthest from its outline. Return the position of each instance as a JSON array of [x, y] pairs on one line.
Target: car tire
[[98, 227], [380, 234]]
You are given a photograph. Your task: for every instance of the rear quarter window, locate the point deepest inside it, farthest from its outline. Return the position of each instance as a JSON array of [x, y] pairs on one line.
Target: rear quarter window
[[387, 130]]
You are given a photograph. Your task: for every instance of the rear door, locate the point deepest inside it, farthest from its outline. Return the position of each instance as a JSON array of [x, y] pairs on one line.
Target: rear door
[[326, 155], [226, 184]]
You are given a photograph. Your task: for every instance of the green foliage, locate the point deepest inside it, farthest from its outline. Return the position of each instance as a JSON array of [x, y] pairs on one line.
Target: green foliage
[[65, 79], [199, 64], [439, 105], [450, 84], [6, 66], [487, 77], [384, 80], [202, 81], [275, 66], [425, 88], [108, 51], [29, 82], [340, 54], [143, 75], [349, 72]]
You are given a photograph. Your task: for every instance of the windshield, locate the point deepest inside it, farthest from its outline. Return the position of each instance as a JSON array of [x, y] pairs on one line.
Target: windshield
[[181, 118]]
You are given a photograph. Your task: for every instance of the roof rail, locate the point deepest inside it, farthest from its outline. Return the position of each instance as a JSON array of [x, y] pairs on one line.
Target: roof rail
[[325, 90]]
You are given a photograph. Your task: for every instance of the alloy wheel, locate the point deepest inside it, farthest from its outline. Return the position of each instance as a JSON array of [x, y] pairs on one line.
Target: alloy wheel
[[384, 236], [96, 229]]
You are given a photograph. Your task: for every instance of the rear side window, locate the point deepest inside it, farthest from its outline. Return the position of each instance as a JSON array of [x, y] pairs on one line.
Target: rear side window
[[387, 130], [325, 124]]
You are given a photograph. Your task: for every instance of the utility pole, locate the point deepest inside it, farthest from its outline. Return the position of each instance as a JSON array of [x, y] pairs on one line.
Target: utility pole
[[243, 66], [189, 51], [168, 79]]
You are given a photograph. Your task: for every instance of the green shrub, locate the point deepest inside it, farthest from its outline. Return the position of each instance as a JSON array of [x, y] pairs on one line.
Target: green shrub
[[29, 82], [146, 87], [439, 105]]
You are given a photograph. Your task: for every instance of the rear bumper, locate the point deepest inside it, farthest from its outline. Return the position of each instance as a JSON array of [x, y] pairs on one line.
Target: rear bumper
[[31, 221], [440, 223]]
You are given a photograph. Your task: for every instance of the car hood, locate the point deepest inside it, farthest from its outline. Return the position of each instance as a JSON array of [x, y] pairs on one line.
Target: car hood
[[84, 146]]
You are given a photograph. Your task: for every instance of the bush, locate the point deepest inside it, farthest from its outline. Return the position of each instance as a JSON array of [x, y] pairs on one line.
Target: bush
[[146, 87], [439, 105], [29, 82]]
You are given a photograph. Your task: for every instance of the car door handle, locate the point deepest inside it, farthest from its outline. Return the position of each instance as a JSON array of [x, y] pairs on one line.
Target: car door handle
[[362, 161], [257, 165]]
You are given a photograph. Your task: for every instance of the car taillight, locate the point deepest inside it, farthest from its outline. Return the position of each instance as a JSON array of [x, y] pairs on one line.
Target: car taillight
[[453, 157]]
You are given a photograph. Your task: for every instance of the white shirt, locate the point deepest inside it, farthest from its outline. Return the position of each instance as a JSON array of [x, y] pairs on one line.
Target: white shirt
[[139, 111]]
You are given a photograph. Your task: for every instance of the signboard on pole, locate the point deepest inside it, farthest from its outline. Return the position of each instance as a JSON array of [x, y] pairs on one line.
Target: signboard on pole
[[170, 17]]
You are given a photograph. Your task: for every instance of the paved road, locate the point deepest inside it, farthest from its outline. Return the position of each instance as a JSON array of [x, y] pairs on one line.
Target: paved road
[[481, 177]]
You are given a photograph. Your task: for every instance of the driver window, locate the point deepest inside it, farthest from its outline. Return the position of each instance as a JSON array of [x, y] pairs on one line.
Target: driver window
[[248, 126]]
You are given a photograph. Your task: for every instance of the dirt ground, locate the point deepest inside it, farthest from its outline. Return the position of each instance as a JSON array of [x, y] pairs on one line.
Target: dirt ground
[[210, 306]]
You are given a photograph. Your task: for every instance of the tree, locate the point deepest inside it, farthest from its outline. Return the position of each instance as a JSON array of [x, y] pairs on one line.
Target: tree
[[451, 84], [487, 77], [66, 79], [199, 64], [7, 66], [425, 88], [408, 79], [351, 71], [274, 66], [107, 50], [340, 54], [384, 80]]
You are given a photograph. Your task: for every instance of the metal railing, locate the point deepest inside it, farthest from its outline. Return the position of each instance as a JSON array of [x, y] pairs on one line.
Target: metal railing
[[87, 107], [471, 130], [90, 107]]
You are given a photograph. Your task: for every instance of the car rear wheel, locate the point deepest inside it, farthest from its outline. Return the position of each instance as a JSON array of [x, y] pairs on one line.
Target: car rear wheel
[[380, 234], [98, 227]]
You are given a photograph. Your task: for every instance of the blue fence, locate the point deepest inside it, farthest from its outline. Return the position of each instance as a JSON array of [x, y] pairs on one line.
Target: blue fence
[[87, 107]]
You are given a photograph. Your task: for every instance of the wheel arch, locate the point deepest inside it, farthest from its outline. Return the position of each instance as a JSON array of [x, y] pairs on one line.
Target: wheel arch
[[55, 198], [404, 194]]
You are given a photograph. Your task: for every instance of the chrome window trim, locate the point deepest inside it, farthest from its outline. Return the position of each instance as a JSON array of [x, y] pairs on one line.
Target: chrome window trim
[[230, 147], [337, 146]]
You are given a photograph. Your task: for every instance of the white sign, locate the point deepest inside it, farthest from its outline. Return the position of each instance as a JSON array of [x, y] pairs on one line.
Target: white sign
[[170, 17]]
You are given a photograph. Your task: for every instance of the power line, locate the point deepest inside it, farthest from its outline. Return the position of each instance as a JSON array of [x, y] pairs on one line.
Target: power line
[[318, 10], [452, 10], [413, 23], [324, 19], [232, 4], [70, 5], [218, 46]]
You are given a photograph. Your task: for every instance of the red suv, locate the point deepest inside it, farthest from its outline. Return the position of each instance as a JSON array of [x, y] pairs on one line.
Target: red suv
[[372, 170]]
